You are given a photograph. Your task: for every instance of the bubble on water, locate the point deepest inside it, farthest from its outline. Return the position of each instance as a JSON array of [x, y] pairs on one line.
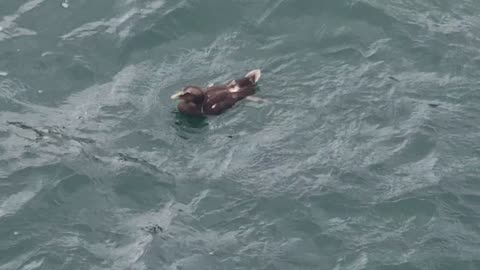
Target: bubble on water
[[65, 4], [15, 233]]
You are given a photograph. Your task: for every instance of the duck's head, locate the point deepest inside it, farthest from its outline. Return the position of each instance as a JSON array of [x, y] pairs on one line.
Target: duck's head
[[190, 94]]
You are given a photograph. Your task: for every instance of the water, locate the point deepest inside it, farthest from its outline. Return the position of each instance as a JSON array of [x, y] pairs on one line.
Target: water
[[364, 157]]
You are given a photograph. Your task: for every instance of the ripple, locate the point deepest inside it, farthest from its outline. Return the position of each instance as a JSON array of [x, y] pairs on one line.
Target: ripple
[[365, 156], [8, 25], [14, 202]]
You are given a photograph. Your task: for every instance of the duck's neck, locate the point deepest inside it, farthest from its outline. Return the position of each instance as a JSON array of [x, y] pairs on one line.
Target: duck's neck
[[190, 108]]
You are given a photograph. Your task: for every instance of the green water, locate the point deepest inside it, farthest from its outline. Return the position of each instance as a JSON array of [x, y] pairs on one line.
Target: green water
[[366, 155]]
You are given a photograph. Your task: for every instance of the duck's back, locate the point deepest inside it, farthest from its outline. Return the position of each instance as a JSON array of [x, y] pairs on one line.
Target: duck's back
[[217, 100]]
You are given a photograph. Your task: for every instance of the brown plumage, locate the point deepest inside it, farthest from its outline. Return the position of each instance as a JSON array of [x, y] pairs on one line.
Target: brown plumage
[[218, 98]]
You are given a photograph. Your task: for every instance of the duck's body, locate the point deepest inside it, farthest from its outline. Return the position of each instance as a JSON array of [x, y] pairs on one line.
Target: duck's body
[[218, 98]]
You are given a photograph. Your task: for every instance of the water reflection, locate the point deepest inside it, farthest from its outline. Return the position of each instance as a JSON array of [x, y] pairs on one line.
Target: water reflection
[[187, 124]]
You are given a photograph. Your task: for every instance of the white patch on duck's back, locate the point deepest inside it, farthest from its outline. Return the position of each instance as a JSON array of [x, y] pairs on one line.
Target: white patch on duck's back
[[234, 89]]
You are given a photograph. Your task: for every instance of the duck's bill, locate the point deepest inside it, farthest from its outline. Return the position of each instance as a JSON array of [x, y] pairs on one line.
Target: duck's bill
[[177, 95]]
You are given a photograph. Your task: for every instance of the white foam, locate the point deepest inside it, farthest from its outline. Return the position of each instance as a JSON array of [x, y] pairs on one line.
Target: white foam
[[15, 202]]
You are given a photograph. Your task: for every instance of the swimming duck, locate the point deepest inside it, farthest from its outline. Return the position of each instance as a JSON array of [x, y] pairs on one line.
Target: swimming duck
[[216, 99]]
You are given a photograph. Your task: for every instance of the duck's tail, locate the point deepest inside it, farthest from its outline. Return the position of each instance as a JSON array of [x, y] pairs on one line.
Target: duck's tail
[[254, 75]]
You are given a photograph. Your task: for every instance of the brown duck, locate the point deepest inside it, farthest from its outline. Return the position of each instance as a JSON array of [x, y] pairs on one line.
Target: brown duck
[[216, 99]]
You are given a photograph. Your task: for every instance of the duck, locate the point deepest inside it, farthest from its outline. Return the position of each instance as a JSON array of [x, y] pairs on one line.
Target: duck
[[216, 99]]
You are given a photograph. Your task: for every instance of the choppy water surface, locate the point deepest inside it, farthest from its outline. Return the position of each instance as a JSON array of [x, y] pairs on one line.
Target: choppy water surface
[[366, 155]]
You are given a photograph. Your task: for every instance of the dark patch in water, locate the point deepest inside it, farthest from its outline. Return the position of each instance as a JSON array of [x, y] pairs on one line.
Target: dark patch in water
[[27, 127], [153, 229], [186, 125], [394, 79], [53, 132], [189, 121]]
